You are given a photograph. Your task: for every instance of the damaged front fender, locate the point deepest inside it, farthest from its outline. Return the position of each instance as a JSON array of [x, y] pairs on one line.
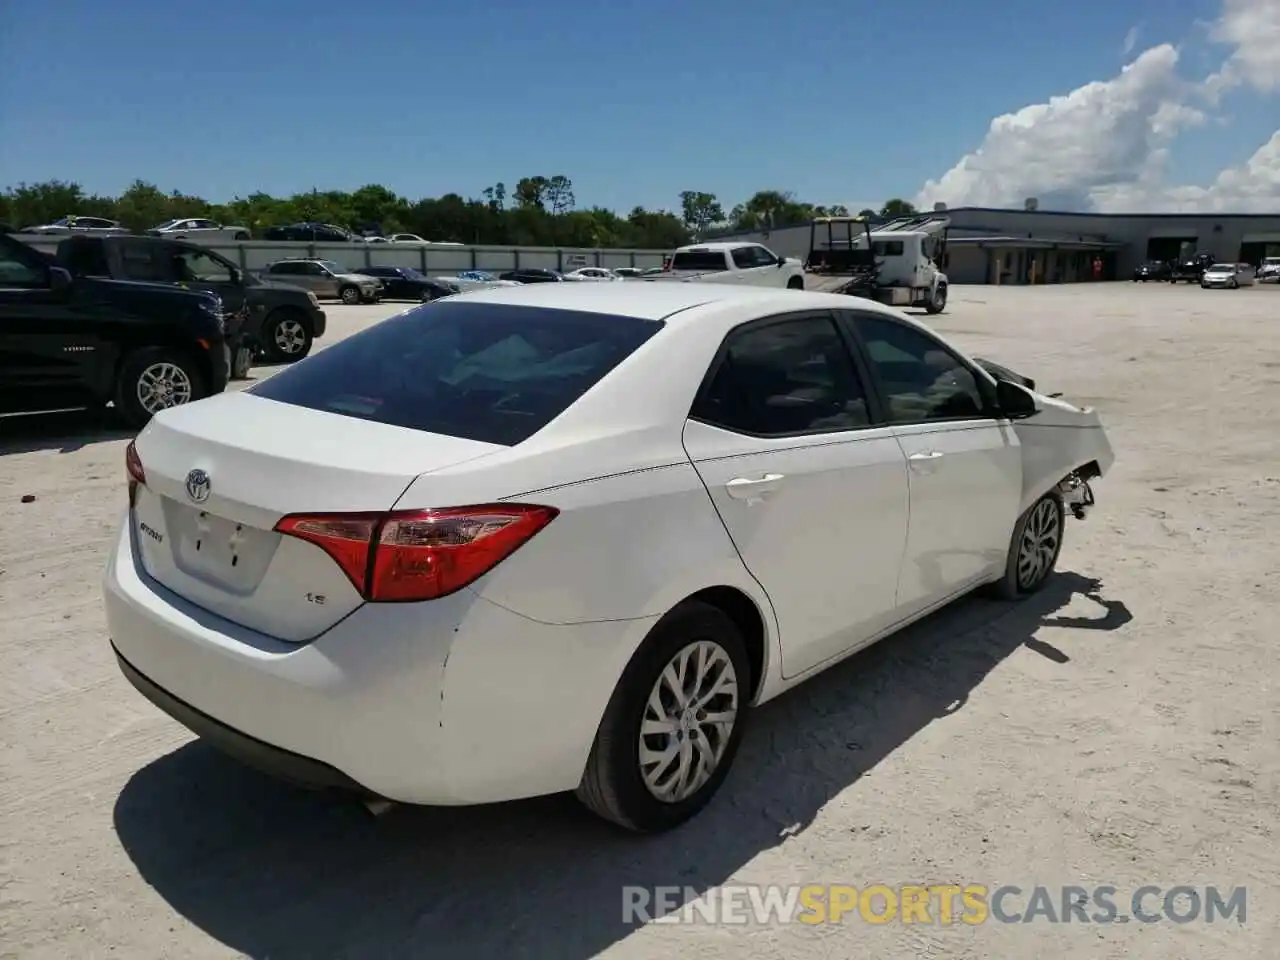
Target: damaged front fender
[[1063, 446]]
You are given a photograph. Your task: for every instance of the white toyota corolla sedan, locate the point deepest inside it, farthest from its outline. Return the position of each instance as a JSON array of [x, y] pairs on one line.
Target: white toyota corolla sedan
[[565, 536]]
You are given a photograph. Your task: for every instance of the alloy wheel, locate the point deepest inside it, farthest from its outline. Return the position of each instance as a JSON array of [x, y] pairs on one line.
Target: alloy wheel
[[163, 385], [688, 721], [289, 337], [1039, 546]]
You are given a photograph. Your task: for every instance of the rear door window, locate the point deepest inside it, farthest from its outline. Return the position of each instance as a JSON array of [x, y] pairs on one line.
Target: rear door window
[[495, 373], [704, 260]]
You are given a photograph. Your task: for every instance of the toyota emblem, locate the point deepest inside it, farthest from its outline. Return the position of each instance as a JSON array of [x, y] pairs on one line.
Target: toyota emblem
[[198, 486]]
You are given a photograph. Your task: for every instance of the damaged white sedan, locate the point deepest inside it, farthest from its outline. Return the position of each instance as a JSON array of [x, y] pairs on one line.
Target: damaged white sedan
[[566, 536]]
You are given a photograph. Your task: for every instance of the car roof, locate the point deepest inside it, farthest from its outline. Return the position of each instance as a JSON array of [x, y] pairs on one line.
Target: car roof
[[672, 301]]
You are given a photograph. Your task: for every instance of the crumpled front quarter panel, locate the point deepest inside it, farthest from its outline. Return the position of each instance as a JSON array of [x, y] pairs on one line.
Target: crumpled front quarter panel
[[1057, 440]]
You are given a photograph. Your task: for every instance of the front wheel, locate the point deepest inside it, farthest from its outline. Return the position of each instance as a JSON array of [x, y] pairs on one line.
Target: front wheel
[[1033, 549], [349, 295], [154, 379], [673, 725], [241, 236], [938, 301], [286, 336]]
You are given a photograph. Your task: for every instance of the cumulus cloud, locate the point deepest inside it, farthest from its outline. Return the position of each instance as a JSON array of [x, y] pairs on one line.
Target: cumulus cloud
[[1252, 29], [1104, 146]]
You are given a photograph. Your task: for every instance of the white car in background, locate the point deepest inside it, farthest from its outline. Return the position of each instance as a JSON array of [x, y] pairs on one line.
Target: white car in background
[[198, 230], [405, 238], [567, 536], [592, 273], [1269, 270], [739, 264], [1229, 275], [467, 280]]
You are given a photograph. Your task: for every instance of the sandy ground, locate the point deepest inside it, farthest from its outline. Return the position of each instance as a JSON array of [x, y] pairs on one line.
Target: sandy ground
[[1121, 728]]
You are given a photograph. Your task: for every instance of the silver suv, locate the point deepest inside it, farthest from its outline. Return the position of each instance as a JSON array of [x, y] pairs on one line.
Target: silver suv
[[325, 279]]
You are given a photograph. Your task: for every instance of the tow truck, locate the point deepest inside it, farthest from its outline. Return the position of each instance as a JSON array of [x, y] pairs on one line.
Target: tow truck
[[897, 263]]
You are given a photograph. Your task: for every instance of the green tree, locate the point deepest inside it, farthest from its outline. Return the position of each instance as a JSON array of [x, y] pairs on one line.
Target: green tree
[[700, 210], [897, 207]]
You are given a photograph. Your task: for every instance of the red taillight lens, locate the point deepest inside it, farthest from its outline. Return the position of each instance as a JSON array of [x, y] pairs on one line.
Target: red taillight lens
[[133, 469], [420, 554]]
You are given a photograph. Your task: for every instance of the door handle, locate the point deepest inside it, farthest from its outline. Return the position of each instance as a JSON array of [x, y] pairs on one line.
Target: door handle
[[742, 488], [924, 460]]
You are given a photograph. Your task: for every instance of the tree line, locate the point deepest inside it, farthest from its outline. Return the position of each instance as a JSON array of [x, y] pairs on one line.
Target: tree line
[[537, 211]]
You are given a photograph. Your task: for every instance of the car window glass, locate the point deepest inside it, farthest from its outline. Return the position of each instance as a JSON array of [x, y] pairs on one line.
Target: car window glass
[[196, 265], [139, 261], [17, 273], [496, 373], [789, 377], [921, 378], [743, 258], [764, 258]]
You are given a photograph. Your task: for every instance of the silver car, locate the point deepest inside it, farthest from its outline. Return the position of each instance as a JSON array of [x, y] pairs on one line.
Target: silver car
[[326, 279], [198, 229], [1229, 275], [72, 224], [1269, 272]]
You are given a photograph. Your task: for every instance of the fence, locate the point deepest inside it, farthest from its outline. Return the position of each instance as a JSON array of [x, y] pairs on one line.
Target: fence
[[431, 259]]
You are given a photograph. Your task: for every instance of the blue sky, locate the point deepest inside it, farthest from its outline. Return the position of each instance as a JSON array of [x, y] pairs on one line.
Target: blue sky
[[846, 101]]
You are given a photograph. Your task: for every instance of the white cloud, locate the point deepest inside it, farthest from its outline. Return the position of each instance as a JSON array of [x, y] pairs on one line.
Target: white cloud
[[1098, 135], [1105, 145], [1252, 29], [1130, 41]]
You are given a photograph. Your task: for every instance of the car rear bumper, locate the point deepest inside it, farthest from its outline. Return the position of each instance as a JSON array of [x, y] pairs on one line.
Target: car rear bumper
[[455, 701], [318, 323]]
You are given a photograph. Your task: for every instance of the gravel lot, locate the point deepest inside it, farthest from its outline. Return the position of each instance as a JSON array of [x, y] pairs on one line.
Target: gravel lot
[[1120, 728]]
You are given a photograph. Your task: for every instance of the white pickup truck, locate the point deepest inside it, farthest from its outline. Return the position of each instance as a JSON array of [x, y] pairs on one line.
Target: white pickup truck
[[744, 263]]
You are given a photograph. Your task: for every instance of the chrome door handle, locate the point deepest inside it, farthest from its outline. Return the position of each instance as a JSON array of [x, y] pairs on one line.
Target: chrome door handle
[[742, 488]]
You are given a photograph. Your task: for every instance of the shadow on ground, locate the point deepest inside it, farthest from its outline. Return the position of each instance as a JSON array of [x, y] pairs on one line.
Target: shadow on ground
[[63, 432], [278, 873]]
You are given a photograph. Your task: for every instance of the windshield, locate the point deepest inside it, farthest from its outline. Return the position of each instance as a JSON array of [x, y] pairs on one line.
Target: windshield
[[1223, 267], [412, 274], [496, 373], [1271, 261], [333, 267], [477, 275], [166, 225]]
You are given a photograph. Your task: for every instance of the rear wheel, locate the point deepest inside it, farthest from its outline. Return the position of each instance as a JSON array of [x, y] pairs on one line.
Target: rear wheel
[[673, 725], [349, 295], [286, 336], [154, 379]]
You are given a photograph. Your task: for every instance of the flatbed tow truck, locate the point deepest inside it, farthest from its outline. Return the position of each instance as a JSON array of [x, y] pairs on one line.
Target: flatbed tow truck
[[896, 263]]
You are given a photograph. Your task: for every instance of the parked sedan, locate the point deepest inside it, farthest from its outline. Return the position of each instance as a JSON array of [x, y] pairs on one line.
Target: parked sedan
[[199, 229], [1151, 270], [1229, 275], [553, 539], [70, 225], [1269, 271], [476, 280], [406, 283], [592, 273], [532, 275]]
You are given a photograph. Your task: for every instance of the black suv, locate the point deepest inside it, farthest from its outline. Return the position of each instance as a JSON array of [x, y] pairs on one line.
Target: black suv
[[275, 321], [80, 342], [1151, 270]]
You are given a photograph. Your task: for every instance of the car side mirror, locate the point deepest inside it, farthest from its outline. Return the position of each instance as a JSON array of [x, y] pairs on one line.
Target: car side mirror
[[1015, 402], [782, 261], [59, 279], [237, 277]]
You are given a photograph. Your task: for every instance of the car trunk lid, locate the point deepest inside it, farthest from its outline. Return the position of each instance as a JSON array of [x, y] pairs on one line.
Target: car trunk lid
[[219, 476]]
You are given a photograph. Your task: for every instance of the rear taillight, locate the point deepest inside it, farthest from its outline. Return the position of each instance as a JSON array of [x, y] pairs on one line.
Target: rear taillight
[[419, 554], [133, 469]]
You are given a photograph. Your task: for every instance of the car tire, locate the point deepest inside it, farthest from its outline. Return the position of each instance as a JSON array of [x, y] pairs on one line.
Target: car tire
[[153, 372], [241, 236], [1033, 549], [286, 336], [350, 295], [614, 784], [938, 301], [795, 283]]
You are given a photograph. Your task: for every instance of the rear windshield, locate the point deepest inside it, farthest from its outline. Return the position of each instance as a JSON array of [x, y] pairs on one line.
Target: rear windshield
[[704, 260], [496, 373]]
